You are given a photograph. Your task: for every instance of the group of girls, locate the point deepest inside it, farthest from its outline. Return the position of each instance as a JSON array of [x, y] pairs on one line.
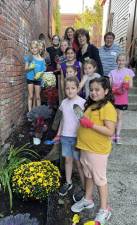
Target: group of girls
[[87, 140]]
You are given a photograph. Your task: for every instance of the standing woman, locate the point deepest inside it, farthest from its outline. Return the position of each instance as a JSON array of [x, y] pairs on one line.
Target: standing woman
[[54, 52], [87, 50], [70, 36]]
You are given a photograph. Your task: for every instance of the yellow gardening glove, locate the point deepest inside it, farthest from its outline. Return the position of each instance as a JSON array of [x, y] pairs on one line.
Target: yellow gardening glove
[[76, 219], [31, 66], [38, 75], [90, 223], [127, 78]]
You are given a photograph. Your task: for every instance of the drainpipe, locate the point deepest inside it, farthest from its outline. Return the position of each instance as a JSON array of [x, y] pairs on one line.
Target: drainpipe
[[109, 9], [133, 29]]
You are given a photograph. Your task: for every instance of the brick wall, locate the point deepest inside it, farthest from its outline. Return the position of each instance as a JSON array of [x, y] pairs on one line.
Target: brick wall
[[67, 20], [20, 22]]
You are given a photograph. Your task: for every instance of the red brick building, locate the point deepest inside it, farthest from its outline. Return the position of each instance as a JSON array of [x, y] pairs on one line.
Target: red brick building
[[67, 20], [20, 22]]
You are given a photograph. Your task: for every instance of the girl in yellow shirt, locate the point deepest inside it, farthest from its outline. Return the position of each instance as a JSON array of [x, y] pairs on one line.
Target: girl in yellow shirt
[[94, 140]]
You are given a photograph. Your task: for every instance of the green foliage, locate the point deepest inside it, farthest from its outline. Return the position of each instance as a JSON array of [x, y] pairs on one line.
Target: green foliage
[[57, 18], [91, 17], [9, 161]]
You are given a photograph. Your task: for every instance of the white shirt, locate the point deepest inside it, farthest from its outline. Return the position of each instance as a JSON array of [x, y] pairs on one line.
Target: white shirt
[[70, 123]]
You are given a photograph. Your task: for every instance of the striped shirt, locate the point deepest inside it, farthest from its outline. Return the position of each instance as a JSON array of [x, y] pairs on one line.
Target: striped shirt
[[108, 57]]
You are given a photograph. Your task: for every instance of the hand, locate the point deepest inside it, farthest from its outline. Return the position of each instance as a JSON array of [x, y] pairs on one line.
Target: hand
[[38, 75], [125, 85], [85, 122], [56, 138], [117, 91], [31, 66]]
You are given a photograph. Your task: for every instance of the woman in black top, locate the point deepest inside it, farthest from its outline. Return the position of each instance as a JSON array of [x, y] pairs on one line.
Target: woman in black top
[[86, 49], [54, 52]]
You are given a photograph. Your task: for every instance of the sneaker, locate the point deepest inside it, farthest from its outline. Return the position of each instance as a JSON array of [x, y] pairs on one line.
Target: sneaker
[[79, 195], [81, 205], [65, 188], [103, 215]]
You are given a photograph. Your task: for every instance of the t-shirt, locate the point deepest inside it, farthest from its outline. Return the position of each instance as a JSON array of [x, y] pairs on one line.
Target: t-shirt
[[40, 66], [87, 79], [91, 140], [54, 54], [70, 123], [77, 64], [118, 77], [108, 57]]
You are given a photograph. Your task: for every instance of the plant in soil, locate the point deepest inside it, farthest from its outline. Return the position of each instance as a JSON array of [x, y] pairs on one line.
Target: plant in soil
[[9, 161], [36, 180]]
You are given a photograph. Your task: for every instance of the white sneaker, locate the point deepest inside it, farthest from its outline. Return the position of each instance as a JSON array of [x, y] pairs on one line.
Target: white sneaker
[[81, 205], [103, 215]]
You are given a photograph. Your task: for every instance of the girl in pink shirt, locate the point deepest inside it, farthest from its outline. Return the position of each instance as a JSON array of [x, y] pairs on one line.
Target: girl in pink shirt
[[121, 80]]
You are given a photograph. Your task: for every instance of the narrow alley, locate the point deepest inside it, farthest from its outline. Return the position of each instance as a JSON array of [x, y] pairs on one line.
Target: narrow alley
[[68, 80]]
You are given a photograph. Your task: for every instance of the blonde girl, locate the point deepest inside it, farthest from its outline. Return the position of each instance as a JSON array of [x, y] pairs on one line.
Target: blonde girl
[[34, 63], [121, 80]]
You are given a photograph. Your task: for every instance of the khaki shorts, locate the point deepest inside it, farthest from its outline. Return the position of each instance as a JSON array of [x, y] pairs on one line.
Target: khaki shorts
[[94, 166]]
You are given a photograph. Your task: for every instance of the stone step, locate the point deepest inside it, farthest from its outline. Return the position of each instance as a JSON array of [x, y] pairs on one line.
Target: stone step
[[129, 132], [129, 126], [129, 119], [135, 83], [132, 98], [128, 141], [132, 106], [133, 90]]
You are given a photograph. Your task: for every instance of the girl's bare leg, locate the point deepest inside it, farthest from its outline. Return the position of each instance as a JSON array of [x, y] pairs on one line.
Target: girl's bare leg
[[30, 96], [103, 192], [37, 95], [68, 169]]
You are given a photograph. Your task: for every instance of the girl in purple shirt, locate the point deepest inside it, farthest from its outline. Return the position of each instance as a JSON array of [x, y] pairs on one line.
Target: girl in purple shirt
[[71, 61]]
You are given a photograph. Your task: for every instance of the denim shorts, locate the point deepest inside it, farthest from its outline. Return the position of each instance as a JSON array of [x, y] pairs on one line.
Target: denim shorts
[[68, 147]]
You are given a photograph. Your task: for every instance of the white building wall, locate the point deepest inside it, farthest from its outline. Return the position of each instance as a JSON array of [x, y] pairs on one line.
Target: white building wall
[[120, 8]]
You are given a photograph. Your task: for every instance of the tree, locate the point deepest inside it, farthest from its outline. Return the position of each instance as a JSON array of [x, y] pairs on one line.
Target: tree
[[90, 19], [57, 18]]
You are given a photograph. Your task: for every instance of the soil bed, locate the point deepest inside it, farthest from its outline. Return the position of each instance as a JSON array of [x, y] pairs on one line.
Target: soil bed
[[36, 209]]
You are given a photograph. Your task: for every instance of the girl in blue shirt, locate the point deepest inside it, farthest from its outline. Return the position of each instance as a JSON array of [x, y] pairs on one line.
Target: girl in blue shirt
[[34, 63]]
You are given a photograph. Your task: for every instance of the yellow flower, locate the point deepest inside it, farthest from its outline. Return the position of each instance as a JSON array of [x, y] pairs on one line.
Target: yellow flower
[[31, 169], [40, 180], [27, 190], [76, 219], [36, 179], [31, 178], [19, 182]]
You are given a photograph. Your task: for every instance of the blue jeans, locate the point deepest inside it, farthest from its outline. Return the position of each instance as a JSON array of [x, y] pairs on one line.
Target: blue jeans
[[68, 147]]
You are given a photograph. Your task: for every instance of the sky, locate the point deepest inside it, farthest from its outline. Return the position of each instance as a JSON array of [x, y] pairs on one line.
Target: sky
[[74, 6]]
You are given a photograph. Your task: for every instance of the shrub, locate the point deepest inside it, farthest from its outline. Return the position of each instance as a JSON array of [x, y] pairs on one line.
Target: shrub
[[36, 180], [9, 161]]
